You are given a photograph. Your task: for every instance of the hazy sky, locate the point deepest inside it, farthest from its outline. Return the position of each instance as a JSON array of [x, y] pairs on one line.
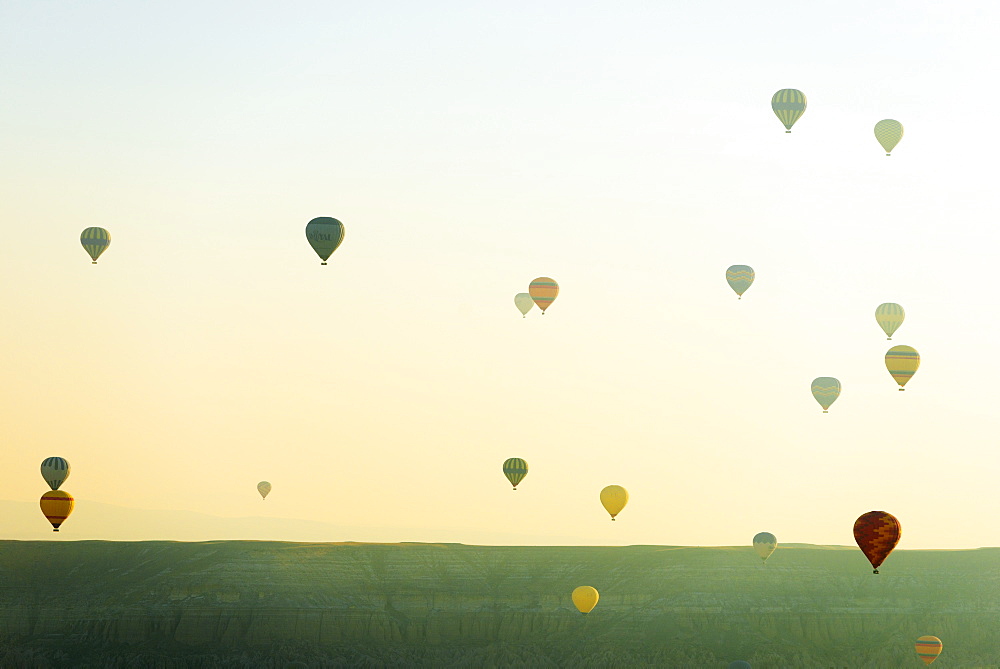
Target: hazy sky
[[626, 149]]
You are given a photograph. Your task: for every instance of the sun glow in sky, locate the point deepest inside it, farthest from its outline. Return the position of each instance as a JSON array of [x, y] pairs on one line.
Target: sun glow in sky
[[627, 150]]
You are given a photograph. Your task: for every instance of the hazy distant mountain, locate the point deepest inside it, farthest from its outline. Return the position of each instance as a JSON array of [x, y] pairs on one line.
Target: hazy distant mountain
[[94, 520], [247, 603]]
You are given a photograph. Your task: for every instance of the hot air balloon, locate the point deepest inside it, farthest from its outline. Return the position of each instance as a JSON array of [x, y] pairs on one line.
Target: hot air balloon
[[902, 362], [524, 303], [928, 648], [888, 133], [764, 543], [614, 498], [788, 105], [889, 317], [585, 598], [324, 234], [56, 506], [55, 471], [515, 469], [263, 488], [543, 291], [740, 664], [95, 241], [740, 277], [877, 533], [826, 390]]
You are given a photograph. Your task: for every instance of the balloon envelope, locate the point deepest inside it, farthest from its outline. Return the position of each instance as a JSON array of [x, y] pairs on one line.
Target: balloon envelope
[[56, 506], [515, 469], [523, 302], [585, 598], [614, 498], [877, 533], [740, 277], [55, 471], [928, 648], [789, 105], [889, 317], [764, 543], [902, 362], [95, 241], [826, 390], [888, 133], [543, 292], [324, 234], [740, 664], [263, 488]]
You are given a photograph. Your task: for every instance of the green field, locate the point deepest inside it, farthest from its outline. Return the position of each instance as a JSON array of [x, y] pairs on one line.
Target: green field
[[242, 603]]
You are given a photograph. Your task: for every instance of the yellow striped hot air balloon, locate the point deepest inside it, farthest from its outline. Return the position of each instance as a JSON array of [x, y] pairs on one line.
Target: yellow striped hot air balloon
[[614, 498], [95, 242], [740, 278], [263, 488], [56, 506], [585, 598], [826, 390], [888, 133], [515, 469], [902, 362], [889, 317], [764, 544], [928, 648], [543, 291], [789, 105]]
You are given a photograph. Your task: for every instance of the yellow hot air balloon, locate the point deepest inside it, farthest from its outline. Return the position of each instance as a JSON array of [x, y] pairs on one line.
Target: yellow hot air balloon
[[889, 317], [543, 291], [788, 105], [56, 506], [524, 303], [95, 242], [263, 488], [585, 598], [614, 498], [902, 362], [928, 648], [888, 133]]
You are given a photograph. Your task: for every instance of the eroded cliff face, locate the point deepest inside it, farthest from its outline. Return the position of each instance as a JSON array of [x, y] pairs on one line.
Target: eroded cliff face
[[809, 606]]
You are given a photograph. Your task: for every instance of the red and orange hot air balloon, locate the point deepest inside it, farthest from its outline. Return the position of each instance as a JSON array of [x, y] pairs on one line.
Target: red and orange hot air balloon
[[543, 291], [56, 507], [877, 533]]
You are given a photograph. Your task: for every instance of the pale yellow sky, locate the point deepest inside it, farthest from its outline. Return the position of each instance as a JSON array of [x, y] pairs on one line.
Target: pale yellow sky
[[628, 152]]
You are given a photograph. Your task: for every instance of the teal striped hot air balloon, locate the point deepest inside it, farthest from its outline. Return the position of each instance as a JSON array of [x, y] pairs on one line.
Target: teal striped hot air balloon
[[889, 317], [95, 242], [826, 390], [888, 133], [324, 234], [740, 277], [789, 105], [515, 469]]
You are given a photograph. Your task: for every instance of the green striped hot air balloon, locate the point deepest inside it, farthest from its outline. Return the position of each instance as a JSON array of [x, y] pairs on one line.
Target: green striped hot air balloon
[[740, 277], [888, 133], [515, 469], [826, 390], [324, 234], [889, 317], [95, 241], [789, 105]]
